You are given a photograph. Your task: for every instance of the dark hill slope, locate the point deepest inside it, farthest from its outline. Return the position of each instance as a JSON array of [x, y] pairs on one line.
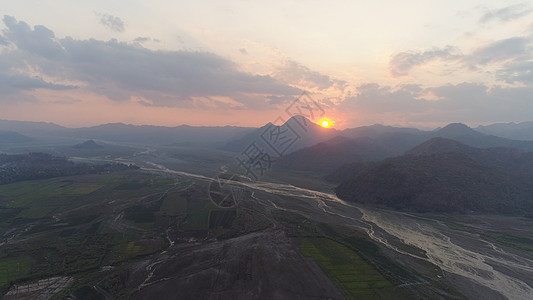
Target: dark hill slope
[[329, 155], [88, 145], [8, 137], [446, 176]]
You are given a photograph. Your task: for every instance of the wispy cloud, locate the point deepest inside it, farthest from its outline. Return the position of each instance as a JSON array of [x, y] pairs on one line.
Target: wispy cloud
[[401, 63], [112, 22], [500, 54], [300, 75], [506, 14]]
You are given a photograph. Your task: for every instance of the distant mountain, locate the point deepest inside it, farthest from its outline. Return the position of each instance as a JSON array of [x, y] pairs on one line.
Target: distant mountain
[[395, 140], [11, 137], [144, 134], [296, 133], [516, 131], [89, 145], [445, 176], [385, 142], [32, 128], [329, 155], [377, 130], [471, 137], [183, 135]]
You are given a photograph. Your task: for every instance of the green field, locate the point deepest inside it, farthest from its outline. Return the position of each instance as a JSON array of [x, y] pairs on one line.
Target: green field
[[66, 225], [14, 268], [175, 203], [356, 278], [26, 193]]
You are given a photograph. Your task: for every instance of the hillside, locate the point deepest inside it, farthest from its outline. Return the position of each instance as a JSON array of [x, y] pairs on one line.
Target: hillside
[[11, 137], [88, 145], [331, 154], [443, 175]]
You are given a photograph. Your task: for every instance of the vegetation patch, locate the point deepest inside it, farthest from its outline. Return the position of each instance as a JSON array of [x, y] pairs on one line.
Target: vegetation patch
[[13, 269], [356, 278], [174, 204]]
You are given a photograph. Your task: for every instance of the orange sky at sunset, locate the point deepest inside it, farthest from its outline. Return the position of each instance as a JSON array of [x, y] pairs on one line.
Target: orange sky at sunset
[[241, 63]]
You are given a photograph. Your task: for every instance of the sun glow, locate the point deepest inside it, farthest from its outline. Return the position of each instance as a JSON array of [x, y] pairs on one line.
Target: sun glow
[[326, 123]]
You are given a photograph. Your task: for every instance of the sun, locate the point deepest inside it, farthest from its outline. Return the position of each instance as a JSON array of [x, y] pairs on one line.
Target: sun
[[325, 122]]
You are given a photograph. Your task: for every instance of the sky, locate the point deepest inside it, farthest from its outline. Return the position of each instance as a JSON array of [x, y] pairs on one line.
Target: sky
[[244, 63]]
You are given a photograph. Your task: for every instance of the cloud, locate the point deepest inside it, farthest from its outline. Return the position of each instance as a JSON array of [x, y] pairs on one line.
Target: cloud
[[142, 39], [10, 84], [121, 70], [3, 41], [497, 53], [374, 98], [517, 71], [112, 22], [40, 40], [506, 14], [401, 63], [465, 102], [300, 75]]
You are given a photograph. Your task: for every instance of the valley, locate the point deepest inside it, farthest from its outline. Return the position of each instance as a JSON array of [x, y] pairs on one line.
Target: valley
[[189, 224]]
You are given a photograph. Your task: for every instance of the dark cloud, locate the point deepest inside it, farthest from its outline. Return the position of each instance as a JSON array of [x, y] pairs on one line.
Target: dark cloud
[[465, 102], [515, 56], [3, 41], [401, 63], [10, 84], [517, 71], [301, 75], [499, 51], [121, 70], [40, 40], [506, 14], [112, 22]]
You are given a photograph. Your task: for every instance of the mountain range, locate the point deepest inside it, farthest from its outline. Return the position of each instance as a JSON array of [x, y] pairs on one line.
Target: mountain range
[[334, 153], [516, 131], [126, 133], [444, 175], [395, 140]]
